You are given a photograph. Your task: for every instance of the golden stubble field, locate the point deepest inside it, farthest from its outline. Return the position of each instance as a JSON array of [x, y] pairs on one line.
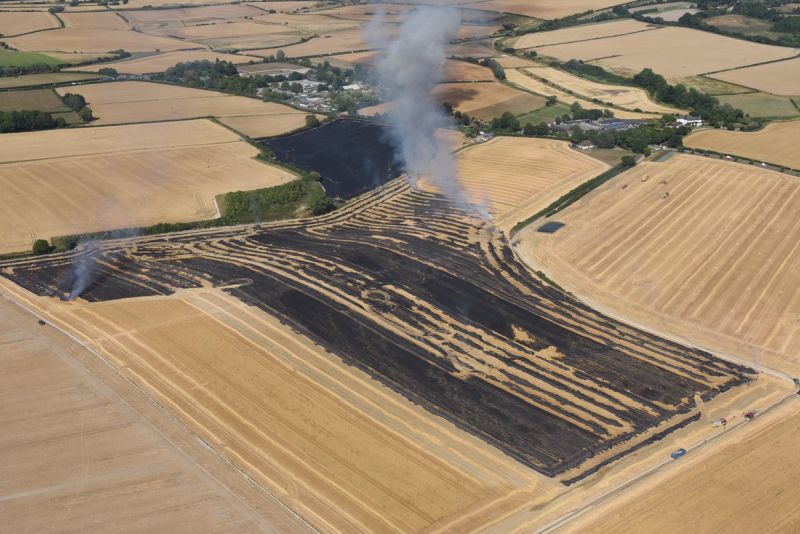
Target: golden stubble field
[[697, 248], [486, 100], [776, 143], [82, 447], [514, 177], [778, 78], [132, 102], [543, 9], [121, 176], [19, 22], [670, 51], [161, 62], [345, 452], [582, 33]]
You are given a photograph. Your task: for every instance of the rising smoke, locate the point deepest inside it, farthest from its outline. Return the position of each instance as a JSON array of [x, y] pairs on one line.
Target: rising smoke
[[409, 67], [83, 269]]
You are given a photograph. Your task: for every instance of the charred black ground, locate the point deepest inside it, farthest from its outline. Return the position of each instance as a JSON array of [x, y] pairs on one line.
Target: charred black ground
[[434, 304], [352, 156]]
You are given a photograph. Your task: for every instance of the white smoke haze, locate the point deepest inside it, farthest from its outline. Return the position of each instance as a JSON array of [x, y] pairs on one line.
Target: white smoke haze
[[83, 269], [409, 67]]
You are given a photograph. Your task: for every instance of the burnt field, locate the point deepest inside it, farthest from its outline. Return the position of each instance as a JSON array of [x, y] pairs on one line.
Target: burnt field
[[434, 304], [352, 156]]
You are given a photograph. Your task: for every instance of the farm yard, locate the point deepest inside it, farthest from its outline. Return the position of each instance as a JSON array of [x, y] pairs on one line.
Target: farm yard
[[697, 247], [132, 102], [775, 144], [94, 179]]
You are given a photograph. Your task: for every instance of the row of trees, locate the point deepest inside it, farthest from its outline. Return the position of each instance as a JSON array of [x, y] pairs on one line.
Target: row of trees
[[26, 121], [77, 103]]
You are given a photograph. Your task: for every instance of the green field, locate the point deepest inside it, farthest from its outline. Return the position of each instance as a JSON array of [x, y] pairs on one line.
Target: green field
[[545, 114], [762, 104], [612, 156], [38, 100], [15, 58], [713, 87], [32, 80]]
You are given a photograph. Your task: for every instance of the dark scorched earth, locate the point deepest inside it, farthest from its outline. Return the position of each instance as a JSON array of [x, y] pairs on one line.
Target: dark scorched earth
[[433, 303]]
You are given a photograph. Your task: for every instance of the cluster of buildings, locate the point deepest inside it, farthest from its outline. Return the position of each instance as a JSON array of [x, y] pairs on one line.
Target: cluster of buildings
[[602, 125]]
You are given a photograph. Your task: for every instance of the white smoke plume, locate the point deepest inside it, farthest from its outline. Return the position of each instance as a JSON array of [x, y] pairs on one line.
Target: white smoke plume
[[410, 66], [83, 269]]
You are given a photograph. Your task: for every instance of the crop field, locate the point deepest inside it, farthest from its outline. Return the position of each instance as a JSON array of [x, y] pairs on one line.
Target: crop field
[[243, 35], [748, 485], [544, 9], [702, 248], [15, 58], [672, 52], [161, 62], [16, 23], [514, 177], [97, 41], [776, 143], [121, 176], [522, 79], [104, 462], [352, 156], [762, 104], [486, 100], [462, 71], [618, 95], [149, 20], [130, 102], [582, 33], [30, 80], [779, 78], [431, 303], [35, 99], [330, 43], [104, 20]]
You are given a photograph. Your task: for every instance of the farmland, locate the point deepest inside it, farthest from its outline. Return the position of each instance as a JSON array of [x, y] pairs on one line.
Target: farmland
[[762, 105], [46, 78], [37, 99], [95, 41], [523, 79], [651, 245], [748, 484], [618, 95], [514, 177], [131, 102], [486, 100], [94, 21], [161, 62], [122, 176], [773, 144], [25, 22], [105, 462], [779, 78], [582, 33], [672, 52], [15, 58], [544, 9]]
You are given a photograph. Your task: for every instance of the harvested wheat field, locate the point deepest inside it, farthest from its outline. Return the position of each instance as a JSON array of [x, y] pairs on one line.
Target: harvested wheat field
[[700, 248], [582, 33], [778, 78], [121, 176], [161, 62], [95, 41], [256, 126], [672, 52], [750, 485], [776, 143], [618, 95], [242, 35], [515, 177], [104, 20], [147, 20], [462, 71], [130, 102], [522, 79], [16, 23], [82, 447], [326, 44], [30, 80], [486, 100], [543, 9]]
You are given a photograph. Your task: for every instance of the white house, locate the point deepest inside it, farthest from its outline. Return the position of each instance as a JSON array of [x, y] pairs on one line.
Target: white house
[[688, 120]]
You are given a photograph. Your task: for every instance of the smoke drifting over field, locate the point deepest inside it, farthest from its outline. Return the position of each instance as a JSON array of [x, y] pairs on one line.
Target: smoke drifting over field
[[410, 67], [83, 268]]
